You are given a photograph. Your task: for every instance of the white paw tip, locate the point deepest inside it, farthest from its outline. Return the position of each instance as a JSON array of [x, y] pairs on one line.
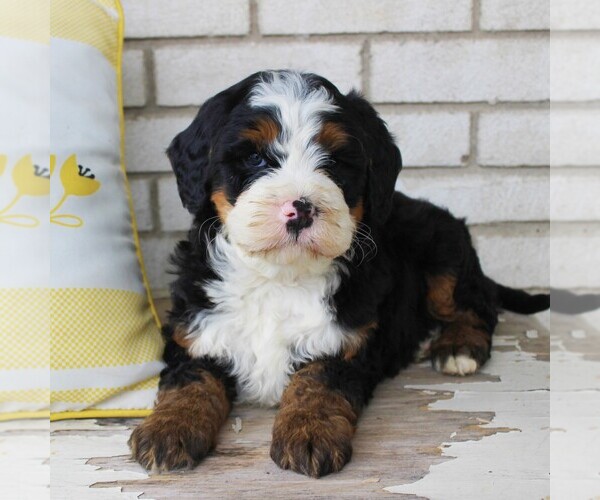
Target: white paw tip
[[458, 365], [450, 366]]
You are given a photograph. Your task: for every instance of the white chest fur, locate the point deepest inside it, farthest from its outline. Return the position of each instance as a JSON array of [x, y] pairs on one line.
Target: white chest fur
[[266, 318]]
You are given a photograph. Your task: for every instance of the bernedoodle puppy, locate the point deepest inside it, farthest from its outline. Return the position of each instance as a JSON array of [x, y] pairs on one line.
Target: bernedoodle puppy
[[305, 278]]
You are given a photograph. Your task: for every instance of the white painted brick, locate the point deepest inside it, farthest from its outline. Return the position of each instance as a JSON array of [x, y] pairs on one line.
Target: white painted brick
[[147, 138], [515, 257], [140, 193], [575, 15], [575, 69], [190, 75], [173, 217], [574, 195], [460, 70], [360, 16], [515, 14], [156, 252], [574, 262], [431, 139], [574, 138], [134, 81], [172, 18], [483, 197], [513, 138]]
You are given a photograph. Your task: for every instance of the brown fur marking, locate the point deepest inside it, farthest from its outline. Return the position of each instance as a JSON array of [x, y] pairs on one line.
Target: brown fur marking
[[180, 336], [440, 297], [358, 211], [313, 430], [221, 204], [332, 136], [358, 341], [263, 132], [183, 427], [458, 335]]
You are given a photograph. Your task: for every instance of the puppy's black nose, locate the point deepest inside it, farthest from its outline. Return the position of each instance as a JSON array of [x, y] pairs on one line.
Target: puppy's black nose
[[301, 217], [303, 207]]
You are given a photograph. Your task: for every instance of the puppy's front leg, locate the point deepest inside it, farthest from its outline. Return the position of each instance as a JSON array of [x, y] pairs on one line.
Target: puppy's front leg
[[313, 430], [191, 407]]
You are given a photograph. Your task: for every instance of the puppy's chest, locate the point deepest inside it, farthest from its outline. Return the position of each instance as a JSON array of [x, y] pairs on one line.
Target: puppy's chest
[[263, 327]]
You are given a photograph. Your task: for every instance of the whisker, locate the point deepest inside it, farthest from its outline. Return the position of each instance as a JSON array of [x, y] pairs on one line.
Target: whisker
[[209, 243], [364, 240], [204, 222]]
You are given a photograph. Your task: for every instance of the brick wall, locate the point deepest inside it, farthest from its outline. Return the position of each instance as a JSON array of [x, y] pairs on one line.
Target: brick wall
[[463, 84], [575, 143]]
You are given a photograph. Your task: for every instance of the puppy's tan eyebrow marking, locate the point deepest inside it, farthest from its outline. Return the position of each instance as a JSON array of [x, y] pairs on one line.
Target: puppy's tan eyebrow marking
[[221, 204], [332, 136], [264, 131]]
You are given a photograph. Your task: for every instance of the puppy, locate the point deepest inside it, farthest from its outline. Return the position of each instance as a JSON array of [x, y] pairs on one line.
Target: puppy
[[305, 279]]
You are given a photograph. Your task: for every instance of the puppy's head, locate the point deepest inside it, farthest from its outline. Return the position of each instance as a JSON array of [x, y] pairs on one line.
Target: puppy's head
[[290, 165]]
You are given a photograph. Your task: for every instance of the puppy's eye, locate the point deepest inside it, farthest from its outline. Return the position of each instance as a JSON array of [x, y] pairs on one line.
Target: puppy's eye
[[255, 160]]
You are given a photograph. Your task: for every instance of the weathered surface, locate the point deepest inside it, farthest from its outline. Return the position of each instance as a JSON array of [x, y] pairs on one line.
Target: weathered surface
[[424, 435], [575, 402], [24, 453]]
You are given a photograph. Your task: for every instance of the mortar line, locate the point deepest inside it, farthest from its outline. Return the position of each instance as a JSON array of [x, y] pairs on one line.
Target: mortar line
[[476, 17], [365, 55], [155, 207], [473, 163], [150, 83], [434, 36], [254, 33], [383, 107]]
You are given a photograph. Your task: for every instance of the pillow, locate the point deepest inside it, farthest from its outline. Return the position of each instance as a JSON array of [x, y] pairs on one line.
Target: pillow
[[24, 194], [105, 344]]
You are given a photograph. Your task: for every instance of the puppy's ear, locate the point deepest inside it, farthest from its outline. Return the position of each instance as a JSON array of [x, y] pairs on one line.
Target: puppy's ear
[[191, 150], [385, 161]]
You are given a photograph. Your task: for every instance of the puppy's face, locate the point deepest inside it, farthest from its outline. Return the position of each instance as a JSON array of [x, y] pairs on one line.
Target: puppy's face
[[285, 189], [284, 160]]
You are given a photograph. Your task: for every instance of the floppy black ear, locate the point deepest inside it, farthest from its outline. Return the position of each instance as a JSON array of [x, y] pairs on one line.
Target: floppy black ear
[[385, 160], [191, 150], [189, 154]]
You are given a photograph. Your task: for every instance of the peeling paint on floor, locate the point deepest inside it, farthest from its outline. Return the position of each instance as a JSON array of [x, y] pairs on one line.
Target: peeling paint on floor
[[575, 402], [424, 434], [74, 478], [24, 452], [512, 464]]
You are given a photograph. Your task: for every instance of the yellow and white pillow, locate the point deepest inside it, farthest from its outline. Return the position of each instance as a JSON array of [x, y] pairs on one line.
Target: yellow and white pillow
[[77, 273]]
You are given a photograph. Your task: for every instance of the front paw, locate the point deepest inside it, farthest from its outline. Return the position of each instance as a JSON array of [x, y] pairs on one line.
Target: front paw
[[183, 427], [314, 443], [165, 441]]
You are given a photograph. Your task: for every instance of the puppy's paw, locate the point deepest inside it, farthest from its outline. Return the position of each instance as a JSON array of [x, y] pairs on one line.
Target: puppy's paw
[[460, 350], [183, 427], [163, 443], [312, 443]]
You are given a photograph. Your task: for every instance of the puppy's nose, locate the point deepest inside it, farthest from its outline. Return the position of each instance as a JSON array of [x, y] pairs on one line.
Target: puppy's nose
[[303, 208], [298, 214]]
